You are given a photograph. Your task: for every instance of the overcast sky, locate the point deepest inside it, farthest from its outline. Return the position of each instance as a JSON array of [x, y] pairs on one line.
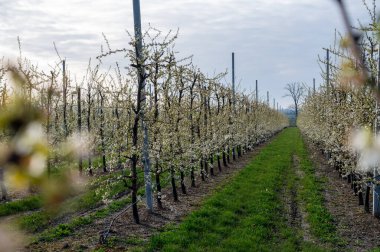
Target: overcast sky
[[275, 41]]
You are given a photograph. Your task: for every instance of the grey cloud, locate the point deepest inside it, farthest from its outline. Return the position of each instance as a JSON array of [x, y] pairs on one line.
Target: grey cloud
[[276, 41]]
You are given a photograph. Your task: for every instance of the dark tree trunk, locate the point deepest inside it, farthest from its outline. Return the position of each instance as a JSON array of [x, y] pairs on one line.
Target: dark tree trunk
[[4, 194], [89, 127], [158, 186], [134, 190], [202, 171], [219, 165], [212, 165], [49, 95], [103, 144], [349, 180], [206, 167], [174, 187], [192, 177], [360, 195], [224, 159], [118, 128], [134, 170], [183, 186], [366, 200]]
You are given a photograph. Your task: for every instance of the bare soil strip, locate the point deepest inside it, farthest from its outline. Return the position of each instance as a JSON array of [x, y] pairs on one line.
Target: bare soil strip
[[294, 208]]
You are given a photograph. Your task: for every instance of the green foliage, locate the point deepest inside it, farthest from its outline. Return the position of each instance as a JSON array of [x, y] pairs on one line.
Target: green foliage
[[26, 204], [60, 231], [90, 199], [34, 221]]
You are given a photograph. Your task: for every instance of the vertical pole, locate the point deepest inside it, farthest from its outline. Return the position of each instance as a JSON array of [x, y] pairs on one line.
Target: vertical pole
[[257, 105], [233, 80], [80, 163], [146, 161], [64, 91], [268, 98], [257, 92], [49, 96], [328, 69], [376, 188], [313, 86], [233, 99], [274, 103]]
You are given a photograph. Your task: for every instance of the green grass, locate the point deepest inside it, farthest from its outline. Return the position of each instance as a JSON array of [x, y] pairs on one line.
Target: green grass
[[247, 213], [311, 192], [26, 204], [34, 221], [66, 229], [38, 221], [242, 216]]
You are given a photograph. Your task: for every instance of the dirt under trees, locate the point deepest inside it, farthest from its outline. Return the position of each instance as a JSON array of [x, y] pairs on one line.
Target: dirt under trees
[[360, 230]]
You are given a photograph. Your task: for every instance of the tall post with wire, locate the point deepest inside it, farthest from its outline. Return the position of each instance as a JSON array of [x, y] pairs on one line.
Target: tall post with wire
[[376, 187], [233, 82], [233, 100], [142, 87], [328, 69], [257, 93]]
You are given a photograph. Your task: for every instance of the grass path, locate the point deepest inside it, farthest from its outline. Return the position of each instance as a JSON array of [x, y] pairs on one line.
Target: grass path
[[251, 214]]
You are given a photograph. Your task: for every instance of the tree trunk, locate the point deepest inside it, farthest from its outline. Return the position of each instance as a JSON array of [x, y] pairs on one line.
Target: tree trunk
[[224, 159], [4, 195], [360, 195], [192, 176], [202, 170], [134, 190], [158, 186], [174, 187], [228, 155], [219, 165], [89, 127], [118, 127], [212, 165], [103, 144], [49, 95], [134, 170], [206, 167], [183, 186], [366, 200]]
